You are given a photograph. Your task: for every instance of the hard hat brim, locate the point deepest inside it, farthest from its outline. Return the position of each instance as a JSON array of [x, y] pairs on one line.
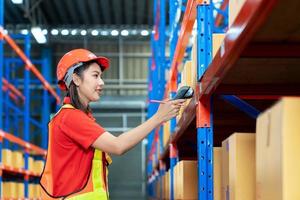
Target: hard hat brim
[[102, 61]]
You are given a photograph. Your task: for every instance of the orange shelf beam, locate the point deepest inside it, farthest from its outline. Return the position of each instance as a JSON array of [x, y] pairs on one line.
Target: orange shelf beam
[[11, 169], [11, 95], [13, 89], [22, 143], [29, 65]]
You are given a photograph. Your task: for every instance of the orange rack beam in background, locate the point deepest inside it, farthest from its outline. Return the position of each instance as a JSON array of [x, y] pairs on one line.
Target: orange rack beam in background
[[18, 170], [11, 95], [13, 89], [29, 64], [22, 143]]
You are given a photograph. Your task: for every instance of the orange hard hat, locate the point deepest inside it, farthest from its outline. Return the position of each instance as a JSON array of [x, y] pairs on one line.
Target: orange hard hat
[[74, 57]]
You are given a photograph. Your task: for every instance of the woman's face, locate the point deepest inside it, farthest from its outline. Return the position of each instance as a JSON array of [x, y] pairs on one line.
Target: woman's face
[[91, 85]]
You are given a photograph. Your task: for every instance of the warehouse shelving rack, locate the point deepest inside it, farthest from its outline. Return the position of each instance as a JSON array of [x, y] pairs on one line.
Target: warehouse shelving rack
[[18, 106], [258, 62]]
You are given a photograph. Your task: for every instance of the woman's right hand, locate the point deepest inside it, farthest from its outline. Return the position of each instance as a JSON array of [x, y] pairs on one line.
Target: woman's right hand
[[169, 109]]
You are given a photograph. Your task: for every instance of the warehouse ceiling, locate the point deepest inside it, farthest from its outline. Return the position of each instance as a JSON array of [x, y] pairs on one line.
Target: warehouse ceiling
[[90, 13]]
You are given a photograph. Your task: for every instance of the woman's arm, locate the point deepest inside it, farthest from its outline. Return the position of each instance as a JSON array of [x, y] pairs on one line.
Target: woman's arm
[[124, 142]]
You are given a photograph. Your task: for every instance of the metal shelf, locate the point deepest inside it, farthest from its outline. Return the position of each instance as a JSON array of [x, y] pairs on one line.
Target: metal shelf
[[258, 62], [15, 106]]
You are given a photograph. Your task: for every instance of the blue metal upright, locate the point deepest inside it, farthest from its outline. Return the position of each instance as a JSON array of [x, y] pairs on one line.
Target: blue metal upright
[[204, 113], [1, 75], [174, 27], [204, 38], [6, 124], [26, 110], [46, 102]]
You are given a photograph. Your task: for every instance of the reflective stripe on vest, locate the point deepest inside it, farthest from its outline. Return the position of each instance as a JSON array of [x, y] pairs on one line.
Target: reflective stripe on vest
[[96, 187]]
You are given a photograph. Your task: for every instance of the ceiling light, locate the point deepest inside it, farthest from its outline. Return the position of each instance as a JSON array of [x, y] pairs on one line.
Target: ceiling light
[[17, 1], [105, 33], [45, 31], [144, 32], [38, 35], [83, 32], [74, 32], [54, 32], [124, 33], [114, 32], [95, 32], [24, 31], [65, 32], [134, 32]]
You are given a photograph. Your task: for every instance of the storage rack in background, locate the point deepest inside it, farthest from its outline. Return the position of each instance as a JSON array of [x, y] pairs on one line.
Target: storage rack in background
[[257, 63], [24, 107]]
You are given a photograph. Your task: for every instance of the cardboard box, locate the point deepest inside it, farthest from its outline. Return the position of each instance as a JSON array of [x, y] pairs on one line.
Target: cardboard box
[[182, 79], [7, 157], [17, 157], [238, 164], [166, 186], [278, 150], [158, 188], [20, 190], [217, 41], [4, 189], [163, 180], [167, 132], [31, 190], [234, 9], [31, 164], [9, 189], [38, 166], [177, 182], [188, 73], [186, 180], [217, 172], [37, 190], [194, 64]]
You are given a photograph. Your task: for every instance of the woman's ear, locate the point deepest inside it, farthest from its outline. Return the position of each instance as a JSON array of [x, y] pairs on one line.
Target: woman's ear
[[76, 79]]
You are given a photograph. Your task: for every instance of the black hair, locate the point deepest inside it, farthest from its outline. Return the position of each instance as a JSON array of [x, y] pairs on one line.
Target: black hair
[[72, 90]]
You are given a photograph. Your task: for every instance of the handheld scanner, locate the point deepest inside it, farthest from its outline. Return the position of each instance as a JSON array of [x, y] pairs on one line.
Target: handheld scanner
[[185, 92]]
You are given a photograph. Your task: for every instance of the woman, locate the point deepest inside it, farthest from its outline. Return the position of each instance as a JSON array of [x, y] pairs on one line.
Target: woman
[[78, 147]]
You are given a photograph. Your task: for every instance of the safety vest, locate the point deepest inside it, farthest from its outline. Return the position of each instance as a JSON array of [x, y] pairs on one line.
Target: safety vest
[[96, 187]]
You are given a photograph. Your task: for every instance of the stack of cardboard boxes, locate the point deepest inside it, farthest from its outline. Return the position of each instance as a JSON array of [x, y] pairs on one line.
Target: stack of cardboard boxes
[[265, 166], [277, 152], [251, 166], [13, 189]]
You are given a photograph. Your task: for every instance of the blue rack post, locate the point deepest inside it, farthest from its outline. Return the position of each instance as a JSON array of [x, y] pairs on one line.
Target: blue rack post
[[26, 110], [1, 75], [174, 27], [6, 124], [46, 103], [203, 113]]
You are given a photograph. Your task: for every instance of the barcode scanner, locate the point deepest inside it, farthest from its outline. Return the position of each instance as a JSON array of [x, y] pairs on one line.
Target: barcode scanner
[[185, 92]]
